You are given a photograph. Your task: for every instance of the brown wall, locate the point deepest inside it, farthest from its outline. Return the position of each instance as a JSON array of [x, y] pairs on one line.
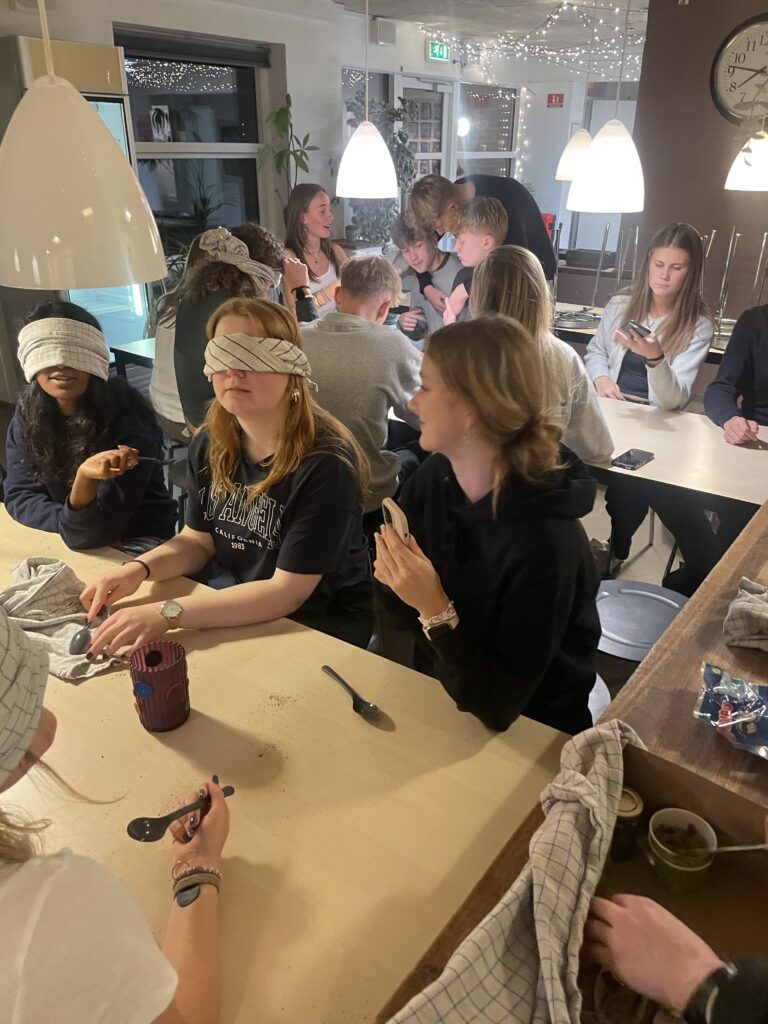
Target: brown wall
[[686, 146]]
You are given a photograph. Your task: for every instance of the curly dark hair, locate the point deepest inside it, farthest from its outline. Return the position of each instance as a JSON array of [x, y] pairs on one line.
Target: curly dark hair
[[262, 244], [211, 276], [57, 444]]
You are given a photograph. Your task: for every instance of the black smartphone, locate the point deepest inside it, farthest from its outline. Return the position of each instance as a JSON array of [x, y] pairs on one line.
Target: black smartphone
[[638, 328], [632, 459]]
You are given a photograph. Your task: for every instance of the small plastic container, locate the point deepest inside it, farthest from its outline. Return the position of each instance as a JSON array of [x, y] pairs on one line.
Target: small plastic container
[[627, 828], [160, 685]]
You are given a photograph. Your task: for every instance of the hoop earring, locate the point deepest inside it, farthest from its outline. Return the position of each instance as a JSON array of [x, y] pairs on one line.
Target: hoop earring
[[294, 396]]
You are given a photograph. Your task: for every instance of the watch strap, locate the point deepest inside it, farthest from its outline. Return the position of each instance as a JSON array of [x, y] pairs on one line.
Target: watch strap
[[701, 1005]]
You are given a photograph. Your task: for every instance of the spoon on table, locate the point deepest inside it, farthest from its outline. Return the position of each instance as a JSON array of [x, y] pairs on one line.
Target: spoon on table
[[725, 849], [149, 830], [364, 708]]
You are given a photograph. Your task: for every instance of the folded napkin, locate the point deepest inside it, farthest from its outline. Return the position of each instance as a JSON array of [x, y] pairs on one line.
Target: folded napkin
[[44, 600], [520, 965], [746, 624]]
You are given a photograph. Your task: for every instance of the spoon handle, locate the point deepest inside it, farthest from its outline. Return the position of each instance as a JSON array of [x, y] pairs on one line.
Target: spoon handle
[[735, 849], [198, 805], [342, 682]]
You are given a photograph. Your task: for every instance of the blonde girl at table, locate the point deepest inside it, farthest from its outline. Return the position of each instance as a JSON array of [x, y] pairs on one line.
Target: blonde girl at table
[[75, 946], [309, 220], [274, 514], [510, 281], [494, 593], [659, 369]]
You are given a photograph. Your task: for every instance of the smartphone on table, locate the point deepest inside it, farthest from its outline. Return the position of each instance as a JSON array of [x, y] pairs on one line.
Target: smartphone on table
[[395, 517], [634, 458]]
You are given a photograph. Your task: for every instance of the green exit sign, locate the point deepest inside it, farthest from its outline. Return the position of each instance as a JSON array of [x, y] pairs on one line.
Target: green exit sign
[[438, 51]]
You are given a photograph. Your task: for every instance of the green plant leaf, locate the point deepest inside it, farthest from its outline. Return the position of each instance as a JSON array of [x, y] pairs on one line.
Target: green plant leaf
[[311, 149], [302, 163]]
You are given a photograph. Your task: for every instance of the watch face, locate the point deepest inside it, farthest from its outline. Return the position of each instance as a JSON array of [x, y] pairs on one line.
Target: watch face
[[739, 79], [171, 609]]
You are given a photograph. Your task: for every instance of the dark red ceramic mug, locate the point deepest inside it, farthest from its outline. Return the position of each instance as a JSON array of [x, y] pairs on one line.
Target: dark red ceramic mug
[[160, 685]]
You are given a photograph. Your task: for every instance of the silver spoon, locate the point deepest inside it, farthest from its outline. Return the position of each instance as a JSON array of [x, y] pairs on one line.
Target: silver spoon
[[81, 641], [149, 830], [362, 707], [725, 849]]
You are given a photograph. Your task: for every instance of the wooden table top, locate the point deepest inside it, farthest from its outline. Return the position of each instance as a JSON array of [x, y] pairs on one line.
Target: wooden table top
[[658, 699], [690, 451], [351, 847]]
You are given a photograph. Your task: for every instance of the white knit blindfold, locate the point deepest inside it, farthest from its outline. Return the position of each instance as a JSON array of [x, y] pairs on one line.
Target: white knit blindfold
[[255, 354], [56, 341], [222, 246]]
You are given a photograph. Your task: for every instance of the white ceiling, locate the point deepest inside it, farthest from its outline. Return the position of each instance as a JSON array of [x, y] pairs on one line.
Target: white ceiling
[[485, 20]]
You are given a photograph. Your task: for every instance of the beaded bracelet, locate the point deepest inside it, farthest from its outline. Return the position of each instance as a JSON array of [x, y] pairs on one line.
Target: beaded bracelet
[[191, 869], [186, 884]]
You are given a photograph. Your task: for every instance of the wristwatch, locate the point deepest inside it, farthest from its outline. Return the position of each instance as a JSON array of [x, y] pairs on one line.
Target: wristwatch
[[701, 1006], [440, 625], [171, 612]]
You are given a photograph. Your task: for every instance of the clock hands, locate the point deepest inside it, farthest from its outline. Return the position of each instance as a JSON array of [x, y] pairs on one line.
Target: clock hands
[[755, 72]]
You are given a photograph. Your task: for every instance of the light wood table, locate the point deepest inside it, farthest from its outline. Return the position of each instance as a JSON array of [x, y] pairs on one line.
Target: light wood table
[[351, 847], [691, 453], [658, 699], [134, 353]]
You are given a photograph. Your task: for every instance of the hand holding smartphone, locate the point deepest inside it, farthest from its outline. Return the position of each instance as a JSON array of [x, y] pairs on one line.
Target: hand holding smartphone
[[395, 517], [638, 328]]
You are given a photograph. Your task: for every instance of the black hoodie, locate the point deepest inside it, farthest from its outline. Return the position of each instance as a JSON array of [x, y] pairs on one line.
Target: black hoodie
[[524, 585]]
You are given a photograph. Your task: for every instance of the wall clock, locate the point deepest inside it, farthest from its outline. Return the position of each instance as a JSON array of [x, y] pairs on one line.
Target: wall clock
[[739, 77]]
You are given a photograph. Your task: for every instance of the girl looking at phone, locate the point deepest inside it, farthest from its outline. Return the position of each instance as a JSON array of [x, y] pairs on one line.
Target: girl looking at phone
[[661, 367], [494, 592]]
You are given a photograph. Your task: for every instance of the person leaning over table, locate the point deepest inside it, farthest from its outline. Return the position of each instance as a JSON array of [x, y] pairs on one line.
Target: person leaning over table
[[494, 594], [74, 443], [659, 369], [75, 947], [652, 952], [274, 515], [510, 281]]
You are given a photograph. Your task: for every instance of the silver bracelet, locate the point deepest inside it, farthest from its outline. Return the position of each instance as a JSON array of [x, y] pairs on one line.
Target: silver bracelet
[[436, 620]]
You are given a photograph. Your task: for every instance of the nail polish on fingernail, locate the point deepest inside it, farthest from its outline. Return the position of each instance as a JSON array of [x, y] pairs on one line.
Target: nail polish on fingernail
[[215, 778], [89, 656], [203, 793]]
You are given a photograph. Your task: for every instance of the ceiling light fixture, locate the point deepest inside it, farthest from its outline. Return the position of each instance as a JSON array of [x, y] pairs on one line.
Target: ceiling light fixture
[[610, 179], [578, 144], [367, 170], [72, 210]]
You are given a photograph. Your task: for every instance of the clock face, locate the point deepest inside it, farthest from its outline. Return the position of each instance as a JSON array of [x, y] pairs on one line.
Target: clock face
[[739, 79]]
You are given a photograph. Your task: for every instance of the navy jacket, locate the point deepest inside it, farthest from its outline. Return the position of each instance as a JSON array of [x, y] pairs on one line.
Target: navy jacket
[[136, 504], [743, 372]]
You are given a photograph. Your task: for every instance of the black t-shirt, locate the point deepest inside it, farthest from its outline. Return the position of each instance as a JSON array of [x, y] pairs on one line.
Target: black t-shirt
[[463, 276], [309, 523], [526, 226], [633, 375]]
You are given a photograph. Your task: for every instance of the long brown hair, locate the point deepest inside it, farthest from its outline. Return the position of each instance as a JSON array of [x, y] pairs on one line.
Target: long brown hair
[[493, 364], [295, 232], [677, 330], [510, 281], [307, 429]]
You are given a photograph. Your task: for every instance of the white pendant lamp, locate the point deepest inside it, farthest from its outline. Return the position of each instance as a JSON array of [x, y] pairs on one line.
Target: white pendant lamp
[[610, 176], [572, 155], [73, 214], [366, 170], [749, 170]]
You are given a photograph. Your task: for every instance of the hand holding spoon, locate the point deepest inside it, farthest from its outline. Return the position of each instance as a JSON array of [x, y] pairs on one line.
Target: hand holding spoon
[[149, 830]]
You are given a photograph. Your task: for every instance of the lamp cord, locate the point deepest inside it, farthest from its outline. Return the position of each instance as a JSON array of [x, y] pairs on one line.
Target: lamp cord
[[47, 39], [367, 33], [623, 52]]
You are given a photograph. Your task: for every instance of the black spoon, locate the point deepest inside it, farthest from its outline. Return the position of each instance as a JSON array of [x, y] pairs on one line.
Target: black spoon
[[149, 830], [364, 708], [81, 641]]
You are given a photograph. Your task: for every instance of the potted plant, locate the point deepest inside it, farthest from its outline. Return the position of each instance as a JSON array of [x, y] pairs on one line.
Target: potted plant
[[372, 218], [289, 153]]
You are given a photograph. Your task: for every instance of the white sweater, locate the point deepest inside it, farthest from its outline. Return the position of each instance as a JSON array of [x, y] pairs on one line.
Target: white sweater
[[671, 382], [570, 391]]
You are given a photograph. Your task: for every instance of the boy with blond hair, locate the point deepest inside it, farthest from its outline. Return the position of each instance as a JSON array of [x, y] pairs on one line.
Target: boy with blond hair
[[479, 227]]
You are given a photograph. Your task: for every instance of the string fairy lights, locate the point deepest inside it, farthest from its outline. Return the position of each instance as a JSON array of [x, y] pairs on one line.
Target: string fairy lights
[[601, 29], [170, 76]]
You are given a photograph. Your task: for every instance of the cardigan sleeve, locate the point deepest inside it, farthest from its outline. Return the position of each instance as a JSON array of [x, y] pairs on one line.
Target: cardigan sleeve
[[672, 380]]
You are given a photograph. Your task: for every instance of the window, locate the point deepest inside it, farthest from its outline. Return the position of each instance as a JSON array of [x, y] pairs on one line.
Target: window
[[426, 131], [195, 130], [485, 130]]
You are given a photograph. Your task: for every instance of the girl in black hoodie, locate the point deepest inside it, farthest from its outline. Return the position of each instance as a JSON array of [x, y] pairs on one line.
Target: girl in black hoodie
[[494, 594]]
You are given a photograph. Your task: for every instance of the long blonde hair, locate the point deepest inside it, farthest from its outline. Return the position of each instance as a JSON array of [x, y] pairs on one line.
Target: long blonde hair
[[676, 332], [492, 363], [307, 429], [510, 281]]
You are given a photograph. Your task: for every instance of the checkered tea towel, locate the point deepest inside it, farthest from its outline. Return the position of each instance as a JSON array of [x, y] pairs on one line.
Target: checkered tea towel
[[519, 966], [44, 600], [746, 624]]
